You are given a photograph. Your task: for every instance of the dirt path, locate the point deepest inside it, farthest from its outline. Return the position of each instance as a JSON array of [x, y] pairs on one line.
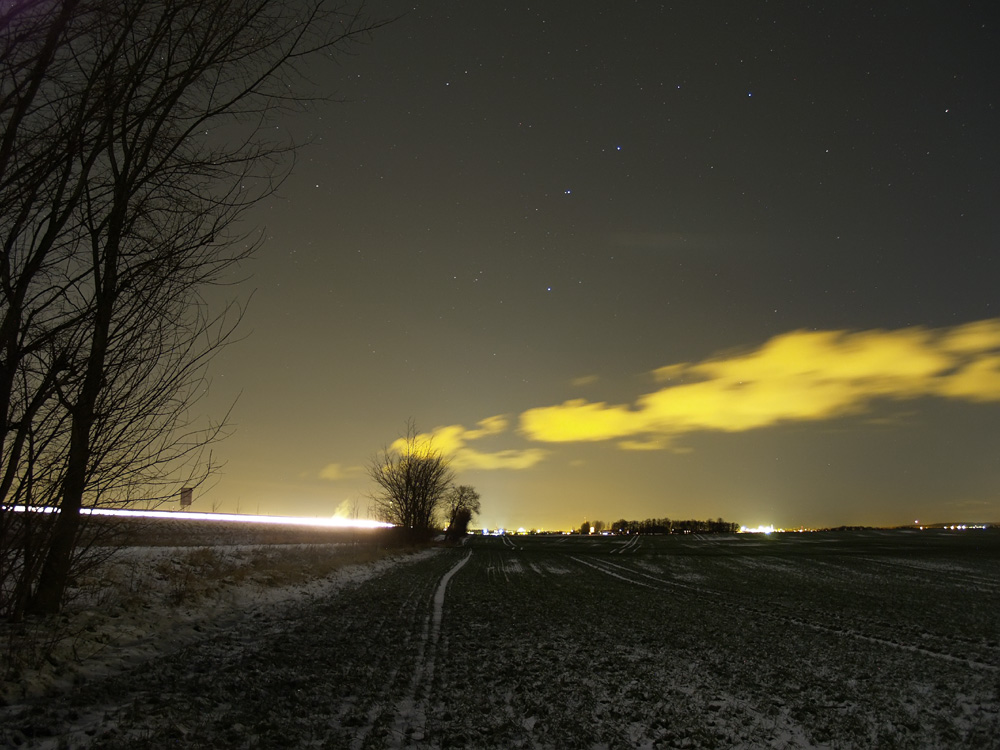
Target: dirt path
[[410, 722]]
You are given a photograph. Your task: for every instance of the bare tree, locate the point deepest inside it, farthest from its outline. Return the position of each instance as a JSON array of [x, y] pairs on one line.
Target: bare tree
[[135, 135], [412, 478], [462, 503]]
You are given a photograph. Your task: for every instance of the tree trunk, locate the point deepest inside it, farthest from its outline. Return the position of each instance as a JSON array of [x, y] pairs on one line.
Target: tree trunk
[[58, 562], [48, 597]]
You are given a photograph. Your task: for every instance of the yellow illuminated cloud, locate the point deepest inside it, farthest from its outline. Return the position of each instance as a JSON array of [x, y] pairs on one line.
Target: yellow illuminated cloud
[[978, 380], [488, 426], [334, 472], [452, 441], [979, 336], [467, 458], [798, 376], [650, 444]]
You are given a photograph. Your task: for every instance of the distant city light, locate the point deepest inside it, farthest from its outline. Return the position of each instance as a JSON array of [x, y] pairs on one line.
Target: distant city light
[[758, 530]]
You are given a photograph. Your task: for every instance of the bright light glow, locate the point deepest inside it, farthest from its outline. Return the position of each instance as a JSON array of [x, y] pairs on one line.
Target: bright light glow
[[758, 530], [358, 523]]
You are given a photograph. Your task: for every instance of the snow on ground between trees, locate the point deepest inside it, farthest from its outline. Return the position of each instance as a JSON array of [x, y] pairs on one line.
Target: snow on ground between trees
[[850, 640]]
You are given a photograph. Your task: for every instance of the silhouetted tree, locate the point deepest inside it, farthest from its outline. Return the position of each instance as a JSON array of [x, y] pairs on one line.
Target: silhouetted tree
[[461, 505], [413, 478], [459, 526], [133, 136]]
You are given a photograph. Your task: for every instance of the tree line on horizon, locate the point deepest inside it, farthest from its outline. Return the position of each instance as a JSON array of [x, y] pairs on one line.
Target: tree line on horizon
[[661, 526]]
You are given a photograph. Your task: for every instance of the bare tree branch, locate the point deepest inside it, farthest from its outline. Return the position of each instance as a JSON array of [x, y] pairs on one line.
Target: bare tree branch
[[134, 136], [412, 477]]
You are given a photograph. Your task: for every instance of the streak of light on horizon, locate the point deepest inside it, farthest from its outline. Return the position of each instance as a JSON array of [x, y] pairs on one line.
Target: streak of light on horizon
[[333, 522]]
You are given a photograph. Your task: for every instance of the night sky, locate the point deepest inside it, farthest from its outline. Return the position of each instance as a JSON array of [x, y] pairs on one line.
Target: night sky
[[637, 260]]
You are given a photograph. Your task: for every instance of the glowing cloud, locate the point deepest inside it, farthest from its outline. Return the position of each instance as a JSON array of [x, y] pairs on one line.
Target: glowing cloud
[[335, 472], [798, 376], [452, 441]]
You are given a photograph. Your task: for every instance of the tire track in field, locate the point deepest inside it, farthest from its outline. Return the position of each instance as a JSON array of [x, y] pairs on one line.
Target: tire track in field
[[410, 722], [930, 576], [405, 624], [604, 567], [631, 546], [407, 612], [508, 542], [950, 575], [496, 568], [795, 620]]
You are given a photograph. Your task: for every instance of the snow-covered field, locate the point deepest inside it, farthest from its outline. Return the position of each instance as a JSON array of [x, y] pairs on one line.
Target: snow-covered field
[[837, 640]]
